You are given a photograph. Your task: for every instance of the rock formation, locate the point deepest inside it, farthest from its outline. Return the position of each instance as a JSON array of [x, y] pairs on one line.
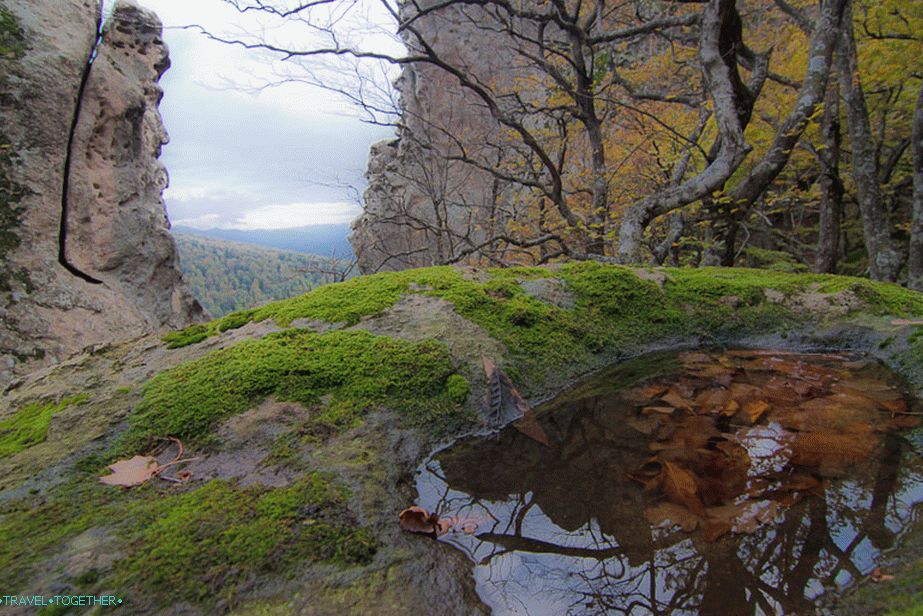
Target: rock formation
[[116, 228], [422, 208]]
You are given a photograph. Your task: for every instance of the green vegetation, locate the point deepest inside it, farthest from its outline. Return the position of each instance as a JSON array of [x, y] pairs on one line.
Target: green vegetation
[[12, 38], [29, 425], [357, 369], [774, 260], [210, 540], [198, 544], [614, 308], [227, 276]]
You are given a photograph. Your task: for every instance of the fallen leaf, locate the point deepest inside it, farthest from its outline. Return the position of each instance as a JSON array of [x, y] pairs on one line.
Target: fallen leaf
[[670, 514], [906, 322], [877, 576], [418, 520], [131, 472], [896, 407], [753, 410], [676, 399], [658, 410], [681, 487]]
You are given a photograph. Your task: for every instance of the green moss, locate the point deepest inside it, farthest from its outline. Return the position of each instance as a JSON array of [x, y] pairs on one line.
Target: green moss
[[614, 308], [184, 544], [774, 260], [12, 38], [213, 539], [458, 388], [359, 370], [29, 425], [185, 337]]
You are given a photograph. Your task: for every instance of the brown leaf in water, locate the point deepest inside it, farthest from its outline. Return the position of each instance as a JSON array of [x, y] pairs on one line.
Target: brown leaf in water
[[658, 410], [690, 358], [744, 392], [713, 400], [676, 399], [131, 472], [680, 486], [642, 395], [901, 422], [731, 408], [643, 424], [831, 453], [906, 322], [712, 530], [418, 520], [753, 410], [670, 514], [896, 407], [755, 515], [779, 391]]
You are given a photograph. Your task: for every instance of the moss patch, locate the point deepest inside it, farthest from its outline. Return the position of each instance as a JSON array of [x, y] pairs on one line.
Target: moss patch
[[358, 370], [12, 38], [29, 425], [615, 309], [213, 539], [200, 544]]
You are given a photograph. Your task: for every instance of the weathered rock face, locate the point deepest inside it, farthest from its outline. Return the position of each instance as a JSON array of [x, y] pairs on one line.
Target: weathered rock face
[[424, 205], [116, 228]]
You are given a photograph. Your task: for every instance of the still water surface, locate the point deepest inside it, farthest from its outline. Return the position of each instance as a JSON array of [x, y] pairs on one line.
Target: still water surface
[[798, 471]]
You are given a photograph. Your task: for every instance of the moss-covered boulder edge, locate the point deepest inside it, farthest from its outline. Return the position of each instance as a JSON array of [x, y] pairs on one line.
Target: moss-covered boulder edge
[[328, 419]]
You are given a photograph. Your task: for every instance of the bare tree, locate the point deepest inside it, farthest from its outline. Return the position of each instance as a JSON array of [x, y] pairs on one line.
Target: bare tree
[[551, 112]]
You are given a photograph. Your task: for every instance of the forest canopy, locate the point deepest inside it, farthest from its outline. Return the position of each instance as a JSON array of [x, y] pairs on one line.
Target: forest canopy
[[643, 131]]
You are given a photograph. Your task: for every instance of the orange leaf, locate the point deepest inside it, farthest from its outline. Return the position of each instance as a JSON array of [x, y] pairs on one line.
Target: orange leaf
[[754, 410]]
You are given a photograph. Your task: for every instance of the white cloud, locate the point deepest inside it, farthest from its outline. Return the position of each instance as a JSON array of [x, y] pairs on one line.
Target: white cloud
[[206, 221], [283, 216], [297, 215]]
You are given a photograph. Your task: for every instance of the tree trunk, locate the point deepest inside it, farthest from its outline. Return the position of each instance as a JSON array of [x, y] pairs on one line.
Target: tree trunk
[[831, 187], [915, 279], [717, 51], [884, 260]]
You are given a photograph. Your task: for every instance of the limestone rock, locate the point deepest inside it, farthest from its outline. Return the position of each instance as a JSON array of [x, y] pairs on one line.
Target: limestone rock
[[117, 230], [420, 208]]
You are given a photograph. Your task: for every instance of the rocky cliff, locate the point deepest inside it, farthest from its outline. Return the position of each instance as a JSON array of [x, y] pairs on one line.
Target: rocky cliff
[[426, 203], [101, 266]]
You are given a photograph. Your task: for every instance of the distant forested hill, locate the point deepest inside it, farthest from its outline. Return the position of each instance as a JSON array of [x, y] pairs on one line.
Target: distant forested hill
[[323, 240], [227, 276]]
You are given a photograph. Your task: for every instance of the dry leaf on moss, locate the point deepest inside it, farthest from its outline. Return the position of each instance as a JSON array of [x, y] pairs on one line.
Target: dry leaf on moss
[[131, 472]]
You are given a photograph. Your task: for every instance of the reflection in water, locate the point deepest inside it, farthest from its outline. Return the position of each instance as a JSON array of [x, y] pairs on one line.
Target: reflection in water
[[562, 529]]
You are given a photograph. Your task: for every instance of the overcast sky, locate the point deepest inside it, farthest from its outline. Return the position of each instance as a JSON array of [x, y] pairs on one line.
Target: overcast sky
[[251, 161]]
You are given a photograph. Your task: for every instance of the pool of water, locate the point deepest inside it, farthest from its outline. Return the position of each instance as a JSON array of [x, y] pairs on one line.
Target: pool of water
[[693, 483]]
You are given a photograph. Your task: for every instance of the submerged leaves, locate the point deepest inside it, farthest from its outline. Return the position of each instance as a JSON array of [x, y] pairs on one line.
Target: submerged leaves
[[739, 437]]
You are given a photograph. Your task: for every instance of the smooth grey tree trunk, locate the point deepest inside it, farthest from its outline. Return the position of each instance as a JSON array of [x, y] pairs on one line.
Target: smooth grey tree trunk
[[884, 259], [915, 278], [831, 187]]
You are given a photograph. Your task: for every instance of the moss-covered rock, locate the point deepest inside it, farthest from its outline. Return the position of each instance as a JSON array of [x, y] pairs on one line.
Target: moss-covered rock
[[349, 387]]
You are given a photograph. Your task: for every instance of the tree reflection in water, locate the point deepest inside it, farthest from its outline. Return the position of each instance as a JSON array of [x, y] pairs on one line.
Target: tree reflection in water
[[562, 528]]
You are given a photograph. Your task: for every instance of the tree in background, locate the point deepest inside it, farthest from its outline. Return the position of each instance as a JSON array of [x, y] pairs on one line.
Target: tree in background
[[699, 132]]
